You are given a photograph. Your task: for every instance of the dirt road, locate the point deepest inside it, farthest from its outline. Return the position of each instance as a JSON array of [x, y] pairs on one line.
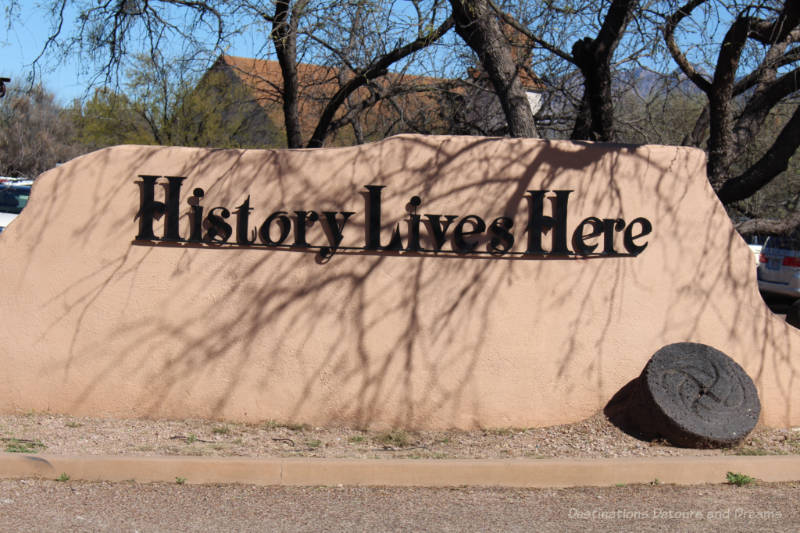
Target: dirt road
[[36, 505]]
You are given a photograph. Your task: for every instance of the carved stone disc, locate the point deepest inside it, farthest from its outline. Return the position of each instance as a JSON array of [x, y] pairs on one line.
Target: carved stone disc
[[698, 396]]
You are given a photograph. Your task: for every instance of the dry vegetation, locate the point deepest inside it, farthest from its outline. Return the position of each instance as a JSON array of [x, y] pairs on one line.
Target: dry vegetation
[[591, 438]]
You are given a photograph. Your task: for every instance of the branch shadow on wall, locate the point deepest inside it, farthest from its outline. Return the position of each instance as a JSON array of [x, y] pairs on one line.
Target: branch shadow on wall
[[365, 337]]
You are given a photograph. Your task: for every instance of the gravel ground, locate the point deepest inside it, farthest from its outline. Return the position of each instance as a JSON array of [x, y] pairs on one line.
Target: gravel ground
[[591, 438], [47, 505], [36, 505]]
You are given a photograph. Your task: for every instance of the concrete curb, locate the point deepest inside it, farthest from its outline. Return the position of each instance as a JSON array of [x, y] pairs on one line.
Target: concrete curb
[[539, 473]]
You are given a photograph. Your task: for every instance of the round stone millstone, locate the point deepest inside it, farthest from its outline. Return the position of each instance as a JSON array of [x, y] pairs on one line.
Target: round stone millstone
[[698, 396]]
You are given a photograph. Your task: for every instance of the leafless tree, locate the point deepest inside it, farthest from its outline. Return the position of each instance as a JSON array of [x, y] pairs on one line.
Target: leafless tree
[[731, 66], [295, 29], [743, 59], [544, 25], [756, 71], [35, 133]]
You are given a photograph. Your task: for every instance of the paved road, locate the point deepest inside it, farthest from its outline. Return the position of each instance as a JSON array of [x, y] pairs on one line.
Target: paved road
[[29, 505]]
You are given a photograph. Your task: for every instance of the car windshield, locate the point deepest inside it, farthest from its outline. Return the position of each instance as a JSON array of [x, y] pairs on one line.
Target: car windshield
[[13, 199]]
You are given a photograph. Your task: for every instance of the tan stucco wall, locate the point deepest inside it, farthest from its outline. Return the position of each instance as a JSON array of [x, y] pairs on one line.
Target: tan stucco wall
[[92, 324]]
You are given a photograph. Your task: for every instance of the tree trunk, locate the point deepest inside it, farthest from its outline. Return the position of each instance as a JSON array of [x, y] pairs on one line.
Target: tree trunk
[[720, 141], [593, 58], [284, 37], [479, 26]]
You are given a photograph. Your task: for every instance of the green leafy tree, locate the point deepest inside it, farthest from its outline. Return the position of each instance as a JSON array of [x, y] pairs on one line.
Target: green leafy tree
[[109, 118], [162, 105], [215, 112]]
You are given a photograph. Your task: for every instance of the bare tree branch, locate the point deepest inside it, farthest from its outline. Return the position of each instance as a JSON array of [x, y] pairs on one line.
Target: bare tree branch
[[769, 226], [676, 53], [772, 163], [377, 68]]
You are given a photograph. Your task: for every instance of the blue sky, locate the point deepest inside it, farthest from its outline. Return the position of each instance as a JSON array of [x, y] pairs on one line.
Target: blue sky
[[67, 77], [22, 43]]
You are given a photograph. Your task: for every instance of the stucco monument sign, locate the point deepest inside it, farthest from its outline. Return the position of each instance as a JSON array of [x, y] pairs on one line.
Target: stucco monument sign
[[420, 282]]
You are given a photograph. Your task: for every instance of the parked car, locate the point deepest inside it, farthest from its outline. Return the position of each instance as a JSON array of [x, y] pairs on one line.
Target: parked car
[[756, 242], [779, 266], [14, 194]]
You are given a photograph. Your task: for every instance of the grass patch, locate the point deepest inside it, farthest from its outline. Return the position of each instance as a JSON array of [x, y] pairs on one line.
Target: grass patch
[[753, 451], [740, 480], [221, 430], [272, 424], [73, 424], [180, 480], [500, 432], [356, 438], [63, 477], [23, 446], [794, 443], [314, 444]]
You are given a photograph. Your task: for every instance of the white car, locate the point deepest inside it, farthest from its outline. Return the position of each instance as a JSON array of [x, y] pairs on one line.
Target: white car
[[779, 267], [756, 249], [14, 194]]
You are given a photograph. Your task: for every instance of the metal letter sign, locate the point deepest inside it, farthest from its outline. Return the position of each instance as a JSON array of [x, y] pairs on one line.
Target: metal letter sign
[[465, 232]]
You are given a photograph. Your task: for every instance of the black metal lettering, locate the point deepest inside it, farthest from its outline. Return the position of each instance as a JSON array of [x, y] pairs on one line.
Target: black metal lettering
[[413, 244], [438, 229], [629, 237], [372, 227], [196, 216], [413, 234], [333, 229], [242, 222], [305, 219], [285, 224], [460, 244], [610, 225], [579, 238], [218, 229], [539, 223], [502, 239], [173, 201], [150, 209]]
